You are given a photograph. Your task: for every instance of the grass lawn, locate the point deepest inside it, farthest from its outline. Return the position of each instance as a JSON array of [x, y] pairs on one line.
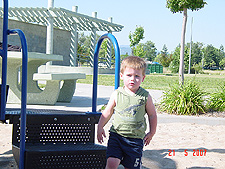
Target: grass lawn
[[208, 83]]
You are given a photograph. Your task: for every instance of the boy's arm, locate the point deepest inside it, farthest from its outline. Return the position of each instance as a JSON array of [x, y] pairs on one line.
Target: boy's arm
[[152, 117], [106, 115]]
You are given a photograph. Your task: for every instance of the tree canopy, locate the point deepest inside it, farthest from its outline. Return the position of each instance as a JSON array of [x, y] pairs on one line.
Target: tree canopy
[[150, 49], [136, 36], [179, 5]]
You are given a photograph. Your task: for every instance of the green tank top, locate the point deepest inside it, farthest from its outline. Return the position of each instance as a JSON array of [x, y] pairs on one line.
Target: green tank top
[[129, 115]]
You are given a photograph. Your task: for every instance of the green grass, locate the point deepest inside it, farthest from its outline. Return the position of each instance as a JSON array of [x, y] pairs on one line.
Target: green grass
[[208, 83]]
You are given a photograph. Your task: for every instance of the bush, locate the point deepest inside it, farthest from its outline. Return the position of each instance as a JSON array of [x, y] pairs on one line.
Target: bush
[[216, 101], [198, 68], [187, 99]]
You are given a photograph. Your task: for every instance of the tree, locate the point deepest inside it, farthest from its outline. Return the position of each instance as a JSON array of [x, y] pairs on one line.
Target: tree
[[212, 56], [197, 68], [222, 63], [83, 48], [174, 65], [182, 6], [136, 37], [196, 53], [139, 51], [150, 49], [222, 57], [164, 50], [164, 58]]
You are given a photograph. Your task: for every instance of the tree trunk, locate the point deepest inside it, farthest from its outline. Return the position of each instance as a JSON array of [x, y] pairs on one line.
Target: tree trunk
[[181, 68]]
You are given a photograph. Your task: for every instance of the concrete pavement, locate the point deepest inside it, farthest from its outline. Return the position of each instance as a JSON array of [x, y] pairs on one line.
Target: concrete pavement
[[82, 101]]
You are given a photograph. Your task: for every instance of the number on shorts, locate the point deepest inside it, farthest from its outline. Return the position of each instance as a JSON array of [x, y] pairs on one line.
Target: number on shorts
[[137, 162]]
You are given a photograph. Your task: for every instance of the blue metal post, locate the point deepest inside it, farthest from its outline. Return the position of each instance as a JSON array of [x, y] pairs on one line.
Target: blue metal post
[[3, 53], [95, 71], [23, 95], [4, 60]]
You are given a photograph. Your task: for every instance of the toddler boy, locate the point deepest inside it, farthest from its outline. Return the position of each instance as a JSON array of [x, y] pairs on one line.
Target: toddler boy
[[129, 104]]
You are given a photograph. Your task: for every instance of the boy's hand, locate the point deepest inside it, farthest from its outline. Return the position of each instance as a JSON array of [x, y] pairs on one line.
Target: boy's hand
[[100, 133], [148, 138]]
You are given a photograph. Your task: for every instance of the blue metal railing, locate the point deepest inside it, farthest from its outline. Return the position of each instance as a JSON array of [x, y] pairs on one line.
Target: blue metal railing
[[4, 61], [3, 54], [95, 71]]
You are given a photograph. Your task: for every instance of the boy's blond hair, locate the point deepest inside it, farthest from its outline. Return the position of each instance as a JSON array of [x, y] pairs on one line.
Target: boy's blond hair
[[134, 62]]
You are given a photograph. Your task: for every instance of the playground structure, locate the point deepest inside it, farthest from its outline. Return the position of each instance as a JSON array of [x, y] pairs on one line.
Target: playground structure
[[53, 138], [67, 24]]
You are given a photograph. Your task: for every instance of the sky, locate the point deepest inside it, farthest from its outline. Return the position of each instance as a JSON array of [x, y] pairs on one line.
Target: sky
[[160, 25]]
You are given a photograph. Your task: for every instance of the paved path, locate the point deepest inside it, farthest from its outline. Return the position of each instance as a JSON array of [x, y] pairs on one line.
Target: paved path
[[82, 101]]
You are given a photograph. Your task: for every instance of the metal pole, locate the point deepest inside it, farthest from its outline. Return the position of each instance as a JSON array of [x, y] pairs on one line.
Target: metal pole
[[23, 98], [95, 71], [23, 95], [4, 60], [189, 68], [7, 32]]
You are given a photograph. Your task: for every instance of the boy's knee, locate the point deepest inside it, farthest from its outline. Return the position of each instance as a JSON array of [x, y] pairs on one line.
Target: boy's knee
[[112, 163]]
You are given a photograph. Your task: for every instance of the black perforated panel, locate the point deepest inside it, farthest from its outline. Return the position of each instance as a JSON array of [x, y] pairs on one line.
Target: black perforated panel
[[80, 156], [54, 129], [57, 133], [56, 140], [80, 159]]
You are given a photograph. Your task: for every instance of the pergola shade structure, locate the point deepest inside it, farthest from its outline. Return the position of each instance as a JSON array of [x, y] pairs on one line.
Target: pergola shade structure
[[67, 20]]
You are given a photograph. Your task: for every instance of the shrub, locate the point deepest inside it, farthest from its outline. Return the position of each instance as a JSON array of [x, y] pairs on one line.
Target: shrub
[[198, 68], [216, 102], [187, 99]]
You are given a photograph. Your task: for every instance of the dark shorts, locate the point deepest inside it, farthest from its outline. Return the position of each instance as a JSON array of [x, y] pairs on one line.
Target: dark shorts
[[128, 150]]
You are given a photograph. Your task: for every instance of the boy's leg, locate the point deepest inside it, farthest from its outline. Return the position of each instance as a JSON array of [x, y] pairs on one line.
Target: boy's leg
[[114, 152], [112, 163], [132, 149], [129, 150]]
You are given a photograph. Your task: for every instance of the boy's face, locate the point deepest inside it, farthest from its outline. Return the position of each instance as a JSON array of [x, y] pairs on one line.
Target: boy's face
[[132, 78]]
